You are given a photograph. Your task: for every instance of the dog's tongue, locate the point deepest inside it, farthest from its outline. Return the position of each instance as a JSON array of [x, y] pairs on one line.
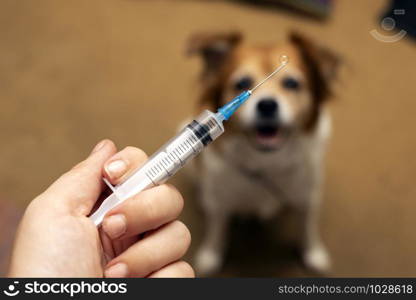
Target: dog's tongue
[[267, 140], [267, 135]]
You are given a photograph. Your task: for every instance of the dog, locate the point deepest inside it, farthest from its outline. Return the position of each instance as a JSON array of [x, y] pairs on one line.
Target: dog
[[271, 154]]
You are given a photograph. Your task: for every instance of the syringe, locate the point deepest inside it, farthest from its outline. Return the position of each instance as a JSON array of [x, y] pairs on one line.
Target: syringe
[[176, 152]]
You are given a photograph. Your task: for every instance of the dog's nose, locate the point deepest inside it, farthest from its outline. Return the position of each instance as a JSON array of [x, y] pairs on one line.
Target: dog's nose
[[267, 107]]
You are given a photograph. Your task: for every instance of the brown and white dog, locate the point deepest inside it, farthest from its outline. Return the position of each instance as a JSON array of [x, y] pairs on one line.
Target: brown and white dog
[[271, 154]]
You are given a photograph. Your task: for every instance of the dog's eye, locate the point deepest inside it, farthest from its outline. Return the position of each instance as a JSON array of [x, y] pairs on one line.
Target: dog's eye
[[244, 83], [291, 83]]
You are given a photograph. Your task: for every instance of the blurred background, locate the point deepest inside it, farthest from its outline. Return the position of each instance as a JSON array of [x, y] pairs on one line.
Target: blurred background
[[74, 72]]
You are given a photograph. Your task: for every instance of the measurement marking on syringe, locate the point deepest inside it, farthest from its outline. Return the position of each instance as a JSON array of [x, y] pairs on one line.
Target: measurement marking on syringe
[[182, 147], [177, 153], [165, 164], [194, 139], [179, 150], [150, 178], [153, 171], [166, 161], [177, 157], [186, 142], [166, 170], [169, 160], [211, 124], [158, 167], [190, 145]]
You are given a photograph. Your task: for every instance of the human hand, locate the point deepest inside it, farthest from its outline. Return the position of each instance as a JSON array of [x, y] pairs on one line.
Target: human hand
[[139, 238]]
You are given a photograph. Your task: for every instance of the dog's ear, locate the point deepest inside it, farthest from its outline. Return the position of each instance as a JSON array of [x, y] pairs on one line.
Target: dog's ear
[[322, 67], [326, 60], [214, 48]]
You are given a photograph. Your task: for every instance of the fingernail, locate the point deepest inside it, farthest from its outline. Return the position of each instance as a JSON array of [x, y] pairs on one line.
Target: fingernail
[[119, 270], [115, 225], [116, 168], [99, 146]]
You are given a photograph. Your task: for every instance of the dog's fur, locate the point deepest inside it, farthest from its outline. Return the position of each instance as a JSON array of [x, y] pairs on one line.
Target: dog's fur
[[269, 156]]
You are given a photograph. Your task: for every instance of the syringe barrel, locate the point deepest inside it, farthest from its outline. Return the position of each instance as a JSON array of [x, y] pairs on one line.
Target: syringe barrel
[[166, 161]]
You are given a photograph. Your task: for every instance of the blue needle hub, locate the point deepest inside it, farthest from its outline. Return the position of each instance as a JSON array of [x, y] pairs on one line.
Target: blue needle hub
[[228, 109]]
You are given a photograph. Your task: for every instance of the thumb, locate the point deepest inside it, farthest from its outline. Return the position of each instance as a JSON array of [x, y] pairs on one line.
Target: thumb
[[79, 188]]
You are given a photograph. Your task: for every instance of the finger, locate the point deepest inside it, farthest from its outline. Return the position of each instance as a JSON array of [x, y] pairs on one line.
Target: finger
[[112, 248], [123, 164], [148, 210], [120, 246], [80, 187], [107, 246], [162, 247], [179, 269]]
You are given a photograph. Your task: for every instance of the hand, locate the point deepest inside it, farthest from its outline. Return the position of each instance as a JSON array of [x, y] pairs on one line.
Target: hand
[[139, 238]]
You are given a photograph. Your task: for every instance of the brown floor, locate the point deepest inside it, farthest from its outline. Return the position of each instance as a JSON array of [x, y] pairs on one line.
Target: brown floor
[[73, 72]]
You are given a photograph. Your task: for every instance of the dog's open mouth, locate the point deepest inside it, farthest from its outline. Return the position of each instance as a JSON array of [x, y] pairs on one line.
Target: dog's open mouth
[[269, 136]]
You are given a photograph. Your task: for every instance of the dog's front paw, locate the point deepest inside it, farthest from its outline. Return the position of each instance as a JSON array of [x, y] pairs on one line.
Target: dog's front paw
[[317, 260], [207, 262]]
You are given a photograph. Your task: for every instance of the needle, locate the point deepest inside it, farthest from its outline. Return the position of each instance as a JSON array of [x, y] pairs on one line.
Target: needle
[[283, 62], [225, 112]]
